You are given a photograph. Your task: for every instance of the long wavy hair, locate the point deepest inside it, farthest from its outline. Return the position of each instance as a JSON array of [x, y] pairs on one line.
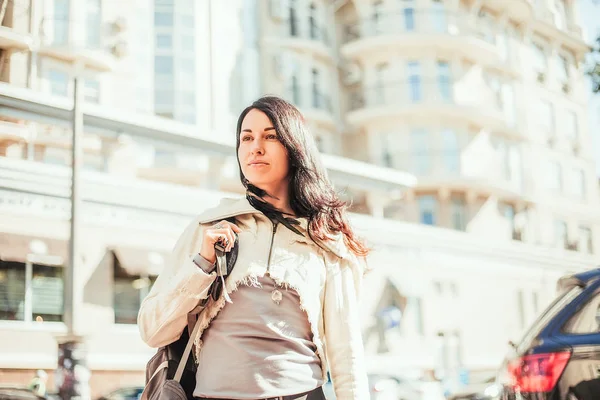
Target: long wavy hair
[[311, 194]]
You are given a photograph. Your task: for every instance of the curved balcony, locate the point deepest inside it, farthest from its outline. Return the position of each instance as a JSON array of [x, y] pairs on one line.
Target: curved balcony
[[92, 58], [552, 26], [517, 10], [9, 39], [416, 31], [316, 105], [418, 99], [311, 38]]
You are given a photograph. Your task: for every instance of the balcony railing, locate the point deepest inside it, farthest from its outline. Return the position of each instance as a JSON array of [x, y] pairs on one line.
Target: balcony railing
[[420, 21], [418, 90], [306, 98], [313, 31]]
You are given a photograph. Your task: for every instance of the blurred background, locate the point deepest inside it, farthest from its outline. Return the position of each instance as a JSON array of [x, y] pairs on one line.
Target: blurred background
[[464, 132]]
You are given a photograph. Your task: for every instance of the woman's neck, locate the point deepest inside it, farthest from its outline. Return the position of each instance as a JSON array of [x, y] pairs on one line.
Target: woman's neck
[[280, 199]]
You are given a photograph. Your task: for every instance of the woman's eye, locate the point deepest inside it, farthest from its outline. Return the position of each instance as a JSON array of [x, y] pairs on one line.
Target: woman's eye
[[246, 138], [271, 137]]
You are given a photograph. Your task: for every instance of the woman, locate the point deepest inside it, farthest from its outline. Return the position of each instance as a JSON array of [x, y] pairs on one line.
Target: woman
[[290, 309]]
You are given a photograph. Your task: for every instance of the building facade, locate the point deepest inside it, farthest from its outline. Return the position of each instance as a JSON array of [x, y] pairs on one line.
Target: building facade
[[456, 128]]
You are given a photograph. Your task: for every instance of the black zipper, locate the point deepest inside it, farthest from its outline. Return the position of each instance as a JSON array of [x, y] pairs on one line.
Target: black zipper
[[271, 247]]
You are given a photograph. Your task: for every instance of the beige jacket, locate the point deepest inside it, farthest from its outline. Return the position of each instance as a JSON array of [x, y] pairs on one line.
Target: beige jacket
[[328, 284]]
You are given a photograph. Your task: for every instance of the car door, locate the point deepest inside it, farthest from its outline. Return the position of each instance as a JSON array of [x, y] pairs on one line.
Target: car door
[[581, 377]]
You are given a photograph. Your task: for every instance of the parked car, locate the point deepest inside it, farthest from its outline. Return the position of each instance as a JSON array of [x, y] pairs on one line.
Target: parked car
[[559, 356], [125, 393], [486, 390], [17, 393]]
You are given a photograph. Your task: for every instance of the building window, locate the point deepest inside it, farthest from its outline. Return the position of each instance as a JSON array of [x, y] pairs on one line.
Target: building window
[[386, 146], [92, 91], [93, 23], [164, 41], [561, 234], [312, 22], [408, 12], [451, 150], [31, 292], [521, 307], [459, 213], [61, 22], [546, 115], [540, 61], [562, 68], [572, 126], [419, 139], [515, 169], [294, 31], [439, 16], [295, 88], [376, 16], [163, 65], [163, 19], [381, 71], [187, 21], [427, 209], [414, 81], [579, 183], [585, 240], [445, 81], [508, 212], [59, 82], [129, 291], [554, 176], [317, 97]]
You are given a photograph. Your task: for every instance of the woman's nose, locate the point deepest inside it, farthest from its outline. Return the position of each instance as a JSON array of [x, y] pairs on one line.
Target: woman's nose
[[257, 147]]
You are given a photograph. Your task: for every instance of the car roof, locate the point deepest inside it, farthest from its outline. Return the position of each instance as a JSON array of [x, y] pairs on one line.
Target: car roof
[[579, 279]]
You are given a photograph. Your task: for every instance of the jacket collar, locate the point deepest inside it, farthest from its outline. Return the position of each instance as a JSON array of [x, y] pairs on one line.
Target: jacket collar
[[232, 207]]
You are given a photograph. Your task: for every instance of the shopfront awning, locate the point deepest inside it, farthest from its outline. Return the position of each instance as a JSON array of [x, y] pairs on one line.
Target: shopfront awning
[[38, 250], [140, 261]]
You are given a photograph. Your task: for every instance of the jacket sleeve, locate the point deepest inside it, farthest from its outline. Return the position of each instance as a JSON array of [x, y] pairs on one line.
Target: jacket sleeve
[[345, 351], [177, 290]]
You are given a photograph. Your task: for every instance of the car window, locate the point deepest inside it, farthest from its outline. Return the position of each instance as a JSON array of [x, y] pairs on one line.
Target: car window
[[587, 319], [563, 298]]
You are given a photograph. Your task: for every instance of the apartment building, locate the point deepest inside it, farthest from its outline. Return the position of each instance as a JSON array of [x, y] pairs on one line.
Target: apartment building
[[455, 127]]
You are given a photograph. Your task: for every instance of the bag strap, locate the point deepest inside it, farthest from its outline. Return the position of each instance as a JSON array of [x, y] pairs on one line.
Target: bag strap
[[221, 264]]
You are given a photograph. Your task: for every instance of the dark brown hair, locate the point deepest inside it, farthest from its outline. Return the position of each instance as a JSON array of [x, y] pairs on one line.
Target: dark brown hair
[[311, 194]]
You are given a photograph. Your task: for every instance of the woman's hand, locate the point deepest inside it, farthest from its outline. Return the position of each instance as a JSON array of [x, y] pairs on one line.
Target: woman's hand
[[224, 233]]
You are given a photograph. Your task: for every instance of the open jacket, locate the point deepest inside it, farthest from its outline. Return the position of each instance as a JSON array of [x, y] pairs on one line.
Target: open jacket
[[327, 279]]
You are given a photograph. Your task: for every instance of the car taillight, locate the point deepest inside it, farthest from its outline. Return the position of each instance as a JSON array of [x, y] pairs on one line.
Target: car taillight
[[538, 372]]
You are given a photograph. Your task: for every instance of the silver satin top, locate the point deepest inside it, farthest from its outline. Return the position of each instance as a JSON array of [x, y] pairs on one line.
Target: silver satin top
[[255, 348]]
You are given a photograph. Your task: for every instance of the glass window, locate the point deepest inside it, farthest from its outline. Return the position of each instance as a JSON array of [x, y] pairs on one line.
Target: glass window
[[312, 22], [61, 22], [579, 183], [445, 81], [540, 61], [93, 23], [164, 41], [427, 209], [377, 16], [414, 81], [92, 91], [508, 103], [12, 291], [189, 98], [572, 127], [381, 71], [420, 147], [295, 88], [546, 117], [515, 169], [439, 16], [47, 292], [163, 64], [164, 97], [562, 68], [459, 213], [59, 82], [408, 13], [187, 21], [451, 150], [587, 319], [293, 19], [129, 291], [561, 234], [317, 97], [188, 43], [585, 240], [163, 18], [554, 176]]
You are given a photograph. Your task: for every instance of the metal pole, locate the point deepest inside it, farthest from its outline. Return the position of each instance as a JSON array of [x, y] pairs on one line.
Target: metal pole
[[71, 303], [72, 366]]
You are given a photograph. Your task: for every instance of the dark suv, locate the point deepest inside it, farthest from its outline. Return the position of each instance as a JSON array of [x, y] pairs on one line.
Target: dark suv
[[559, 356]]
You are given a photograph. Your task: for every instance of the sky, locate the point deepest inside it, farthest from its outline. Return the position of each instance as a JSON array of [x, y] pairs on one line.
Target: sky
[[590, 22]]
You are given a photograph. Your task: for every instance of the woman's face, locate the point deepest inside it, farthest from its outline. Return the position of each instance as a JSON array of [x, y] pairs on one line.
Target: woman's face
[[263, 158]]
